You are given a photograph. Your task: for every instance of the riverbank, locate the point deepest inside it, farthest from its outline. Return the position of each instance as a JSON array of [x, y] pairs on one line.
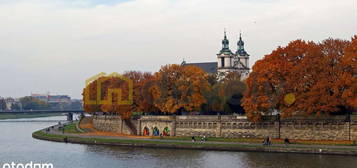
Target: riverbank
[[19, 116], [53, 134]]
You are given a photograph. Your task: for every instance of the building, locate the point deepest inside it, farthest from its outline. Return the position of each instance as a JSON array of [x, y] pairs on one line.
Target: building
[[59, 99], [42, 97], [227, 61], [52, 98], [59, 102]]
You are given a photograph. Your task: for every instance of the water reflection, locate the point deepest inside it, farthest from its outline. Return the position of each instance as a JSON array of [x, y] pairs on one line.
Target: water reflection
[[16, 144]]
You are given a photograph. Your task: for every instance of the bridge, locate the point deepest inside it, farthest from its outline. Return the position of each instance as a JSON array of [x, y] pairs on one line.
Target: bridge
[[41, 111], [69, 113]]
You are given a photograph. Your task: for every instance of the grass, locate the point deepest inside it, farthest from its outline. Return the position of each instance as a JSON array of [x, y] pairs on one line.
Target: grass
[[129, 141], [18, 116], [71, 128], [213, 139], [133, 142], [259, 141]]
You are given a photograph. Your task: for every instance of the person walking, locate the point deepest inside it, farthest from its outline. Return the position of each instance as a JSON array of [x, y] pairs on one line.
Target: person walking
[[193, 139], [286, 141]]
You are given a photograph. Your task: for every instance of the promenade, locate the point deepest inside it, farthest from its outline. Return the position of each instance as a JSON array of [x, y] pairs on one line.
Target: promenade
[[99, 138]]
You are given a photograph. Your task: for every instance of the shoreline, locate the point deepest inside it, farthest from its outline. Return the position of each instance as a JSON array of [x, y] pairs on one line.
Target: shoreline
[[24, 116], [165, 144]]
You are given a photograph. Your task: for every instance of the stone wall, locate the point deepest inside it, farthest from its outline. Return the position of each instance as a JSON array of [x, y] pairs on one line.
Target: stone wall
[[235, 127], [112, 124], [315, 129]]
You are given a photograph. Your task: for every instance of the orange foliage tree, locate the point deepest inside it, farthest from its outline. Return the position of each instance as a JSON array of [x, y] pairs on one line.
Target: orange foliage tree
[[179, 88], [319, 77], [93, 104], [349, 74], [142, 96]]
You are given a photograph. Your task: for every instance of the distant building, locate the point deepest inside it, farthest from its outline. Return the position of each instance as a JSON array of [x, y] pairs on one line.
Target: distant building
[[59, 99], [209, 67], [227, 60], [60, 102], [76, 104], [42, 97], [52, 98]]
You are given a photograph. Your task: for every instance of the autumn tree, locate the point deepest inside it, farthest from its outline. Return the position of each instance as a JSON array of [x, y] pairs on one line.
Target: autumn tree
[[179, 88], [90, 101], [142, 95], [348, 75], [303, 78], [112, 89]]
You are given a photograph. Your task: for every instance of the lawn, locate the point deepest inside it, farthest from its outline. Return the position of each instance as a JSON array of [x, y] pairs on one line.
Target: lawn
[[71, 128]]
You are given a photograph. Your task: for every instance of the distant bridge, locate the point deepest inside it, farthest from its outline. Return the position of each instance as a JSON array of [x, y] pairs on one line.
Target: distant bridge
[[41, 111], [19, 121], [68, 113]]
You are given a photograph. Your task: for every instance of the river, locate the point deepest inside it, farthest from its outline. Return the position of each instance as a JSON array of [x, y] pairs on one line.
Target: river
[[17, 145]]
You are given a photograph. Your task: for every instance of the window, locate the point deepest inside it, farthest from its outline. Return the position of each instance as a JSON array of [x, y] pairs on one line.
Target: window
[[222, 62]]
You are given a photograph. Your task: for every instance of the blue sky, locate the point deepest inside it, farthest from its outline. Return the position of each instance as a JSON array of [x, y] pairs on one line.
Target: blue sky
[[54, 45]]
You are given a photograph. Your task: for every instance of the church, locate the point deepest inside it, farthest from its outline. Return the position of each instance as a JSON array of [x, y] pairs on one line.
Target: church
[[227, 61]]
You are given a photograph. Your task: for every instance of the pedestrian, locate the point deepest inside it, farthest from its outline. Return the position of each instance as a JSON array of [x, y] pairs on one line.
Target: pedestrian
[[193, 139], [286, 141], [265, 141], [65, 139]]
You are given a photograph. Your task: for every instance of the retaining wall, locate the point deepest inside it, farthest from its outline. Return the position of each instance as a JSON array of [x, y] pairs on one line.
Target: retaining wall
[[336, 128]]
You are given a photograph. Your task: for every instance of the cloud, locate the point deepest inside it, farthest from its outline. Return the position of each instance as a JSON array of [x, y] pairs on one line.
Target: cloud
[[54, 46]]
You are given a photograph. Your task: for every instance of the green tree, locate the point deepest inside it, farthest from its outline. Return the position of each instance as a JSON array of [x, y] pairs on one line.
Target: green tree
[[225, 96], [15, 106], [2, 104]]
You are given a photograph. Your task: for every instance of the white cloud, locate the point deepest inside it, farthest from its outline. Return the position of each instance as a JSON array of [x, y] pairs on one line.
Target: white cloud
[[54, 45]]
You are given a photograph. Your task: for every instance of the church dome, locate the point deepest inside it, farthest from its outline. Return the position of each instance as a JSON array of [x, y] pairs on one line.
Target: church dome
[[225, 46], [225, 41]]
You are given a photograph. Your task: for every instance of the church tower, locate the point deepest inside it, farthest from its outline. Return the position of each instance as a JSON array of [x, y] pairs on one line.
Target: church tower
[[232, 62], [225, 58], [241, 59]]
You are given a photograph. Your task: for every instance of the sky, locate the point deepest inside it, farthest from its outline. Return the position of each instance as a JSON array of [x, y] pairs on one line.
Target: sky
[[55, 45]]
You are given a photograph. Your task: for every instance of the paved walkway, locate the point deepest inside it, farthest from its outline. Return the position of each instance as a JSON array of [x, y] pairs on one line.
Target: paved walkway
[[55, 130]]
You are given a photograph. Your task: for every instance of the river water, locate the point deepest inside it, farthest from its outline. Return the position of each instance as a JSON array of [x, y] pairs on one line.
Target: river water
[[17, 145]]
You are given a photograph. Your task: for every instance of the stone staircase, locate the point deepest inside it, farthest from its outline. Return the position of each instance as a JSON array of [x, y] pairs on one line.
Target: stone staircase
[[86, 124], [131, 126]]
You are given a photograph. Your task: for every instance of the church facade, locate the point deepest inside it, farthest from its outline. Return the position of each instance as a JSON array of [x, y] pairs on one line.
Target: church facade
[[227, 61]]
